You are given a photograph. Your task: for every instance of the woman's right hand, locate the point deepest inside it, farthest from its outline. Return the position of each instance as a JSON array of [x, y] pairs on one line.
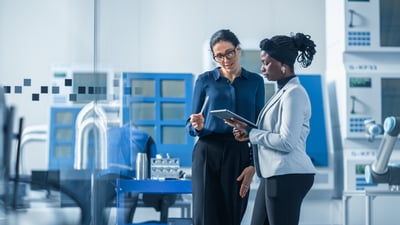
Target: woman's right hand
[[239, 129], [240, 135], [197, 121]]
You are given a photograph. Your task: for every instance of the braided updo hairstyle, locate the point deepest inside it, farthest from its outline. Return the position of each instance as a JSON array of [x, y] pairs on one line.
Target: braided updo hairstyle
[[286, 49]]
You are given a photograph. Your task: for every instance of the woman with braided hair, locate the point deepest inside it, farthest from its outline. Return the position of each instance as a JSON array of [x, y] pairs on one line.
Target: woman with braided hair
[[279, 142]]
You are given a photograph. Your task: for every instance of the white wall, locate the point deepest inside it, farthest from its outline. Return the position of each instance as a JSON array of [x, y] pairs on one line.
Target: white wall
[[140, 35]]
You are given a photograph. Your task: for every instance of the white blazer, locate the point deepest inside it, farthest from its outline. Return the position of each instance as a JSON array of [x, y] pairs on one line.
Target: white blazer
[[279, 142]]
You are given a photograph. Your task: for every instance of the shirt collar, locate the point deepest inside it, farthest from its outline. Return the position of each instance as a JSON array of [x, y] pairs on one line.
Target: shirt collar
[[217, 74], [284, 81]]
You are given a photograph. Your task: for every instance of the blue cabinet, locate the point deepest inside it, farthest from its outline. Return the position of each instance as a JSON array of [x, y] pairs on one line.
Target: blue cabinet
[[160, 104]]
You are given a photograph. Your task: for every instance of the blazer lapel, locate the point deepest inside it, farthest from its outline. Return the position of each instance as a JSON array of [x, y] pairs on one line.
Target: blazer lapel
[[275, 98], [269, 104]]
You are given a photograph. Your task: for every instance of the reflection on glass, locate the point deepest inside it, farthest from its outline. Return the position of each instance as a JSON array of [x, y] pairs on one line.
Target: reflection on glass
[[149, 130], [63, 151], [143, 88], [142, 111], [173, 111], [64, 118], [64, 134], [173, 135], [90, 86], [173, 88]]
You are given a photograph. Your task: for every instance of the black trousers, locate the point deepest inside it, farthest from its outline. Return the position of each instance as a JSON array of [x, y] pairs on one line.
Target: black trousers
[[279, 198], [216, 163]]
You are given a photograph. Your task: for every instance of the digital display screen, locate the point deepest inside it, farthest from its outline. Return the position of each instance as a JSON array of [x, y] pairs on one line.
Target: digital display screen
[[360, 169], [360, 82]]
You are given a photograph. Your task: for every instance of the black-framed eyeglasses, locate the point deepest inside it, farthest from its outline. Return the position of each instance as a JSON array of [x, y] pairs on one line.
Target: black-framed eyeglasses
[[228, 55]]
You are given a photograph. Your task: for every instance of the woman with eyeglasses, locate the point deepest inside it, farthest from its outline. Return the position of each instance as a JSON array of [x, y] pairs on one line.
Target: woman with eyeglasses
[[279, 142], [222, 168]]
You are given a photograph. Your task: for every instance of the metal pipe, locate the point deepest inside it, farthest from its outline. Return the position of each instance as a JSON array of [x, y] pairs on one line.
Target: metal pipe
[[35, 129], [91, 118], [28, 138]]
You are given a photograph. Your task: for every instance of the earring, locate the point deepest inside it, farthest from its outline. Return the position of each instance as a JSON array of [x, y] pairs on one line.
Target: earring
[[283, 69]]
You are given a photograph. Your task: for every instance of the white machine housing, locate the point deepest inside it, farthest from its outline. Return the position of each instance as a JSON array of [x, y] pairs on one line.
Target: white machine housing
[[372, 25], [372, 92]]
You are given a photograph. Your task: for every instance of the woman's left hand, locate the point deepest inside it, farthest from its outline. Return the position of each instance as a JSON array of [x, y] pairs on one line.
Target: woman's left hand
[[246, 177]]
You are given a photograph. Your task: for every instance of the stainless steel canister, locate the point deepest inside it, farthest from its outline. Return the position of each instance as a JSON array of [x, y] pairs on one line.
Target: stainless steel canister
[[142, 163]]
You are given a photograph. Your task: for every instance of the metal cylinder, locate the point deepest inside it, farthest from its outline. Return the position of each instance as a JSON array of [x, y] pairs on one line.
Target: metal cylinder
[[380, 165], [392, 128], [142, 171]]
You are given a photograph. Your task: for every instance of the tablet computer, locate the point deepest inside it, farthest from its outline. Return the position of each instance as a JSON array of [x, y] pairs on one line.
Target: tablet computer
[[227, 114]]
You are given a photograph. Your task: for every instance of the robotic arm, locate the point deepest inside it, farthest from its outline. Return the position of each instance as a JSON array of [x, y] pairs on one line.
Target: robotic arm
[[380, 171]]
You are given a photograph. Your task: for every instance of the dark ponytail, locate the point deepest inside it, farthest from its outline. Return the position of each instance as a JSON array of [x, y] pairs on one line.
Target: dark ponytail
[[306, 47], [286, 49]]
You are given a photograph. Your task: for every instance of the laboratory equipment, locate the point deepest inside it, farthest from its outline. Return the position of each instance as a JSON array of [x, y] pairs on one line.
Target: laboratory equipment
[[78, 86], [371, 89], [380, 171], [372, 25], [370, 95], [83, 109], [66, 135], [164, 168], [79, 149], [367, 93]]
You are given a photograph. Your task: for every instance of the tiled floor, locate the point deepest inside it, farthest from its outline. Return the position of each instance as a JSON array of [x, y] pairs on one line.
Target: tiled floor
[[42, 211], [315, 212], [67, 216], [318, 209]]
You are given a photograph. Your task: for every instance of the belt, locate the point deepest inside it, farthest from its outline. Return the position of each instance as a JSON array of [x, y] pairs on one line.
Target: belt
[[221, 135]]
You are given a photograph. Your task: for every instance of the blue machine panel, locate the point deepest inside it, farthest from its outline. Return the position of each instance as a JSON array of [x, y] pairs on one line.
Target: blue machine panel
[[317, 146]]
